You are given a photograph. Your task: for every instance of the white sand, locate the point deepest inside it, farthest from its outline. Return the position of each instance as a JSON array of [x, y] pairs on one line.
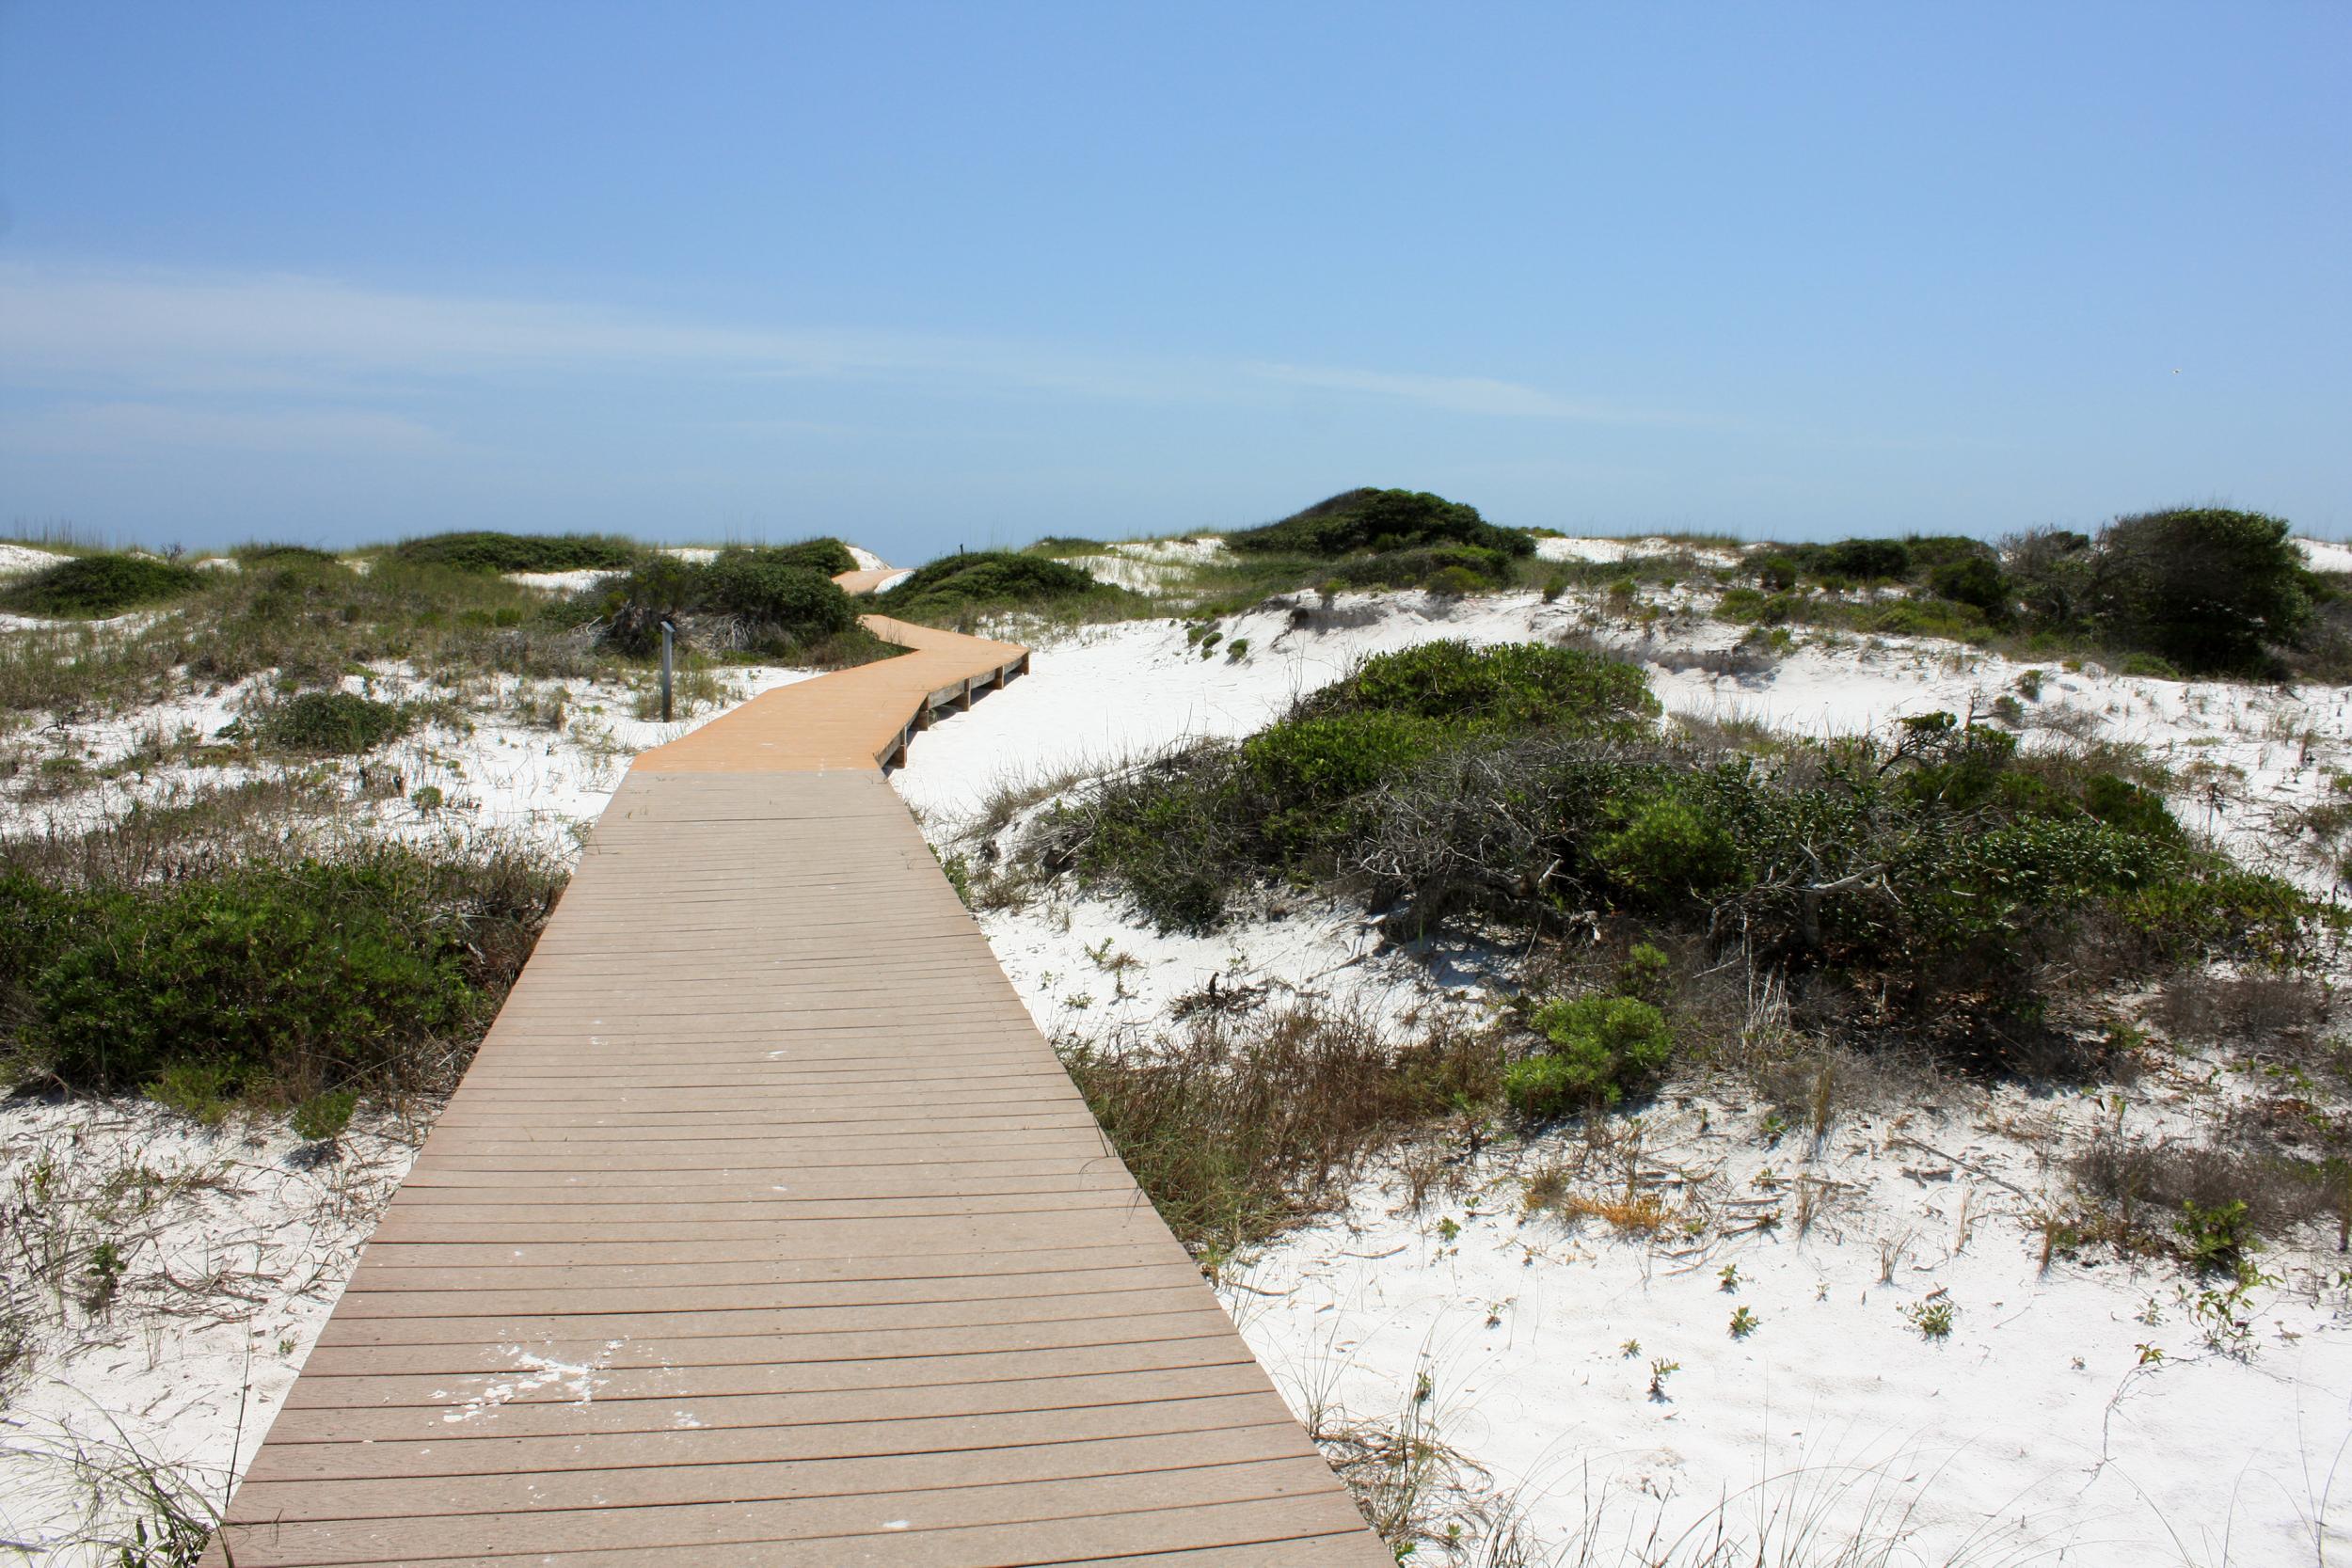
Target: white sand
[[2322, 555], [1612, 550], [18, 560]]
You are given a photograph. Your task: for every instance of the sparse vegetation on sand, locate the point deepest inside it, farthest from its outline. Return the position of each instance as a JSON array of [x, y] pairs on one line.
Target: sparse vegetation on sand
[[1246, 1120]]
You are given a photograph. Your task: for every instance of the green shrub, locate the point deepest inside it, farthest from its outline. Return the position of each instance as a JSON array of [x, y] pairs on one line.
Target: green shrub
[[323, 1118], [775, 591], [519, 552], [1667, 854], [1308, 766], [2124, 804], [826, 556], [1750, 607], [776, 601], [205, 1092], [2206, 588], [1975, 581], [958, 586], [332, 723], [1644, 971], [2215, 1237], [249, 977], [1859, 560], [1505, 687], [100, 585], [2154, 667], [1381, 520], [1601, 1047]]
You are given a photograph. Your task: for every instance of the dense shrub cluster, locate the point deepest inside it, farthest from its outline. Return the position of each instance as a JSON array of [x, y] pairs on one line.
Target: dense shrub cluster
[[1938, 883], [770, 600], [519, 552], [956, 588], [1181, 834], [1382, 522], [100, 585], [258, 978], [2201, 590], [2206, 588], [331, 723]]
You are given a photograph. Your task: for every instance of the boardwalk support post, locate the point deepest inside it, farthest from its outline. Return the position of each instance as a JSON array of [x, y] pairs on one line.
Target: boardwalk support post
[[668, 632]]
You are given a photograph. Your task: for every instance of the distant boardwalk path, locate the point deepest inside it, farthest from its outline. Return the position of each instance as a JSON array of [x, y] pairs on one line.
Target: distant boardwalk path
[[766, 1230]]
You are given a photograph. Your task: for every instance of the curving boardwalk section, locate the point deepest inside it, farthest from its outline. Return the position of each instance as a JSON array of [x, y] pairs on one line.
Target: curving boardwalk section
[[766, 1230]]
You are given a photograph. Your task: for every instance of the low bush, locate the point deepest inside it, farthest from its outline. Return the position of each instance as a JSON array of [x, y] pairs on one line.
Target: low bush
[[1501, 689], [2206, 588], [1667, 854], [778, 589], [1181, 834], [768, 601], [91, 585], [519, 552], [826, 556], [988, 580], [1932, 886], [331, 723], [323, 1118], [377, 969], [1380, 521], [1600, 1047]]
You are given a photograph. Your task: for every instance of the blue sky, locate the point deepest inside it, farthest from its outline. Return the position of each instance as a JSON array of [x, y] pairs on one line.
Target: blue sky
[[937, 275]]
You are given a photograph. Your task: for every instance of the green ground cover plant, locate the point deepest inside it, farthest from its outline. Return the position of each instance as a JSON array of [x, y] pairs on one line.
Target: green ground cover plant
[[482, 551], [92, 585], [253, 970]]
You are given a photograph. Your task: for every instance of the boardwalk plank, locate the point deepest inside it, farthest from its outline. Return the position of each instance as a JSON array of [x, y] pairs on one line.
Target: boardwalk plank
[[766, 1230]]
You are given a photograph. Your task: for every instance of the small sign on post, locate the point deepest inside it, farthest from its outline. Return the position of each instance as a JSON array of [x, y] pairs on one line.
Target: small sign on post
[[668, 632]]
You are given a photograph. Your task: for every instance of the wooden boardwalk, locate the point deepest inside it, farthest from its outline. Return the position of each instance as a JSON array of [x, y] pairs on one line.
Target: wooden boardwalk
[[766, 1230]]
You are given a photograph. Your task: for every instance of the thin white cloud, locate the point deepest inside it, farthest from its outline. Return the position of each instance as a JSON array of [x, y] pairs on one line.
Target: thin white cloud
[[1462, 394], [66, 329], [103, 429]]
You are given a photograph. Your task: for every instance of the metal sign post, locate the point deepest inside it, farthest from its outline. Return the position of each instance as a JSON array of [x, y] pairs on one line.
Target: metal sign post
[[668, 632]]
